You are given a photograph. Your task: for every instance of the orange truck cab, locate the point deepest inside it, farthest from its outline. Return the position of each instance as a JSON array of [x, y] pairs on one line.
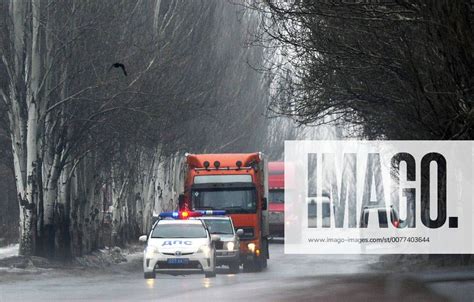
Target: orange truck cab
[[276, 198], [236, 183]]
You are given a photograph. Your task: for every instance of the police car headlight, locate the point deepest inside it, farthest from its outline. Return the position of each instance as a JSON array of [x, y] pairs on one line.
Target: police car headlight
[[205, 250], [151, 251], [230, 246], [251, 247]]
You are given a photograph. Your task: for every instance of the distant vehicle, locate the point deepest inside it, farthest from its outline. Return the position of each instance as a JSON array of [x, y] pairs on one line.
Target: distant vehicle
[[228, 248], [276, 198], [179, 245], [238, 184], [382, 216], [325, 204]]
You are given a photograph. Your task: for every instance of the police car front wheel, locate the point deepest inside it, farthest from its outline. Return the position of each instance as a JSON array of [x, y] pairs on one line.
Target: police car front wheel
[[151, 275]]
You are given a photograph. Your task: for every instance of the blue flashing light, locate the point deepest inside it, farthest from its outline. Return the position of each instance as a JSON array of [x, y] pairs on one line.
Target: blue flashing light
[[168, 215]]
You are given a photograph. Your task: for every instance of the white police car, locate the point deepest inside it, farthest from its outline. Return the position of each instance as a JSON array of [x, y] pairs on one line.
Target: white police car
[[177, 246]]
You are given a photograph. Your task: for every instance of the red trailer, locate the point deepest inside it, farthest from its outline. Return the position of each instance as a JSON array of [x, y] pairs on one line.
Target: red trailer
[[276, 198]]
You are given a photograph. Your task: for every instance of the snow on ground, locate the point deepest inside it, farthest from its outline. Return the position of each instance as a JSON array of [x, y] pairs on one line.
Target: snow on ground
[[9, 251]]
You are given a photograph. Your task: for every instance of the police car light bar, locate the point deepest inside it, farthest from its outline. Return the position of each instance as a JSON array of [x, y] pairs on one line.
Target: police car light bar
[[188, 214], [179, 215]]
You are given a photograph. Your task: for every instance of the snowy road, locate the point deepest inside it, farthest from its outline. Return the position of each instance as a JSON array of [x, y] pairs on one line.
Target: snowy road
[[302, 277]]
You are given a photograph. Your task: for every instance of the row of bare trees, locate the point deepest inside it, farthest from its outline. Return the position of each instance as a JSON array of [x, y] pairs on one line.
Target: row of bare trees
[[397, 69], [379, 69], [96, 95]]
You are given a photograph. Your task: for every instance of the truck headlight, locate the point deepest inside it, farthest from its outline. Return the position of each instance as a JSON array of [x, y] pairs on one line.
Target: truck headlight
[[230, 246], [150, 251], [205, 250], [251, 247]]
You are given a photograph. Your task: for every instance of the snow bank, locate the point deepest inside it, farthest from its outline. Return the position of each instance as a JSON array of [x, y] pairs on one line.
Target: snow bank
[[9, 251], [102, 258]]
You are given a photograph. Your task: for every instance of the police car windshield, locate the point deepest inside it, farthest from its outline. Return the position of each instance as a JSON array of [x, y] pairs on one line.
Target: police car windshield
[[219, 226], [179, 231]]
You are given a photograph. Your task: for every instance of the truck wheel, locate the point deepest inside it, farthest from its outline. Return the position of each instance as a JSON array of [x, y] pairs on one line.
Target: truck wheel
[[265, 255], [151, 275], [259, 264], [234, 268], [253, 266], [248, 267], [263, 262]]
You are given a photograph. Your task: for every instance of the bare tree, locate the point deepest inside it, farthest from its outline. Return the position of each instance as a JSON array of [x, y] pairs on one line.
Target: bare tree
[[58, 90], [397, 69], [99, 99]]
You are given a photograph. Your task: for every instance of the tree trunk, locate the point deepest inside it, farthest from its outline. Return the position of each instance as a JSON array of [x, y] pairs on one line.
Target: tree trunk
[[27, 231]]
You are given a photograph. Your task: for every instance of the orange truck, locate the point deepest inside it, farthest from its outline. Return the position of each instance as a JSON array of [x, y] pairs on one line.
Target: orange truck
[[236, 183]]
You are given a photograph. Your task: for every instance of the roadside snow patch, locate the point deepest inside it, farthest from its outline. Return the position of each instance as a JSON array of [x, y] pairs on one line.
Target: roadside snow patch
[[9, 251]]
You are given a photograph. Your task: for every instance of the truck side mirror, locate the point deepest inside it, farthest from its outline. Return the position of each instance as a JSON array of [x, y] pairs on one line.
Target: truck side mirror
[[264, 203], [142, 238], [239, 232], [180, 201]]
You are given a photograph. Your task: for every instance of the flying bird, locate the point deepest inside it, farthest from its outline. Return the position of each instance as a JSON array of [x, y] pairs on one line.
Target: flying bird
[[119, 65]]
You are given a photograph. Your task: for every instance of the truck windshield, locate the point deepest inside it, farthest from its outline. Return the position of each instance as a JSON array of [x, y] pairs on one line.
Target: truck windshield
[[233, 200], [276, 196], [219, 226], [179, 231]]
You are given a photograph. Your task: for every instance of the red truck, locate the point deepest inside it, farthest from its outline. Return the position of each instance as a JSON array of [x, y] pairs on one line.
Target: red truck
[[236, 183], [276, 185]]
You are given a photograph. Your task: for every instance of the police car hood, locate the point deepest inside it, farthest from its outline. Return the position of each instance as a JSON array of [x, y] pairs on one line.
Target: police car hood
[[172, 245]]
